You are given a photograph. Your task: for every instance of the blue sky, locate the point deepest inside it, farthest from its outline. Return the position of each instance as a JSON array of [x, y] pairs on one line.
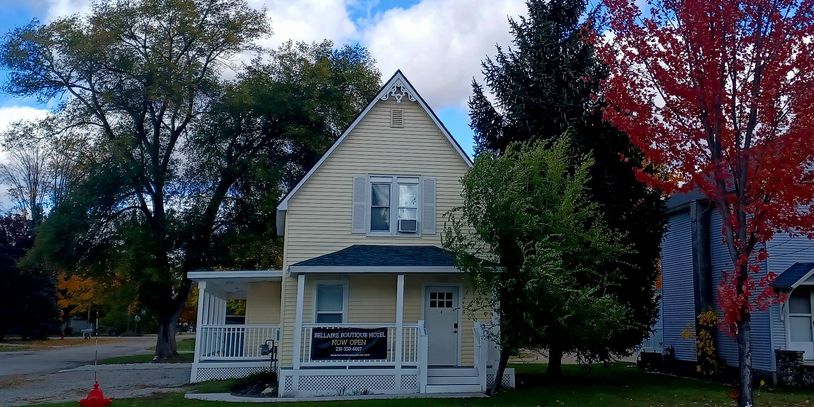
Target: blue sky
[[438, 44]]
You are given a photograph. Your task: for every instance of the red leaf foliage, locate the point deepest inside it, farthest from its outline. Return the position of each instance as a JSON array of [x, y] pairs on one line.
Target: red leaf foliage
[[719, 96]]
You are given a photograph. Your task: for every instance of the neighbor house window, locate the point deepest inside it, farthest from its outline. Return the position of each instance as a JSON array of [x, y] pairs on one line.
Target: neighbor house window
[[404, 202], [330, 307]]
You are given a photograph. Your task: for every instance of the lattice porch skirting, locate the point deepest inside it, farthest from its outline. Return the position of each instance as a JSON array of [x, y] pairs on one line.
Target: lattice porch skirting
[[202, 372], [347, 382], [508, 378]]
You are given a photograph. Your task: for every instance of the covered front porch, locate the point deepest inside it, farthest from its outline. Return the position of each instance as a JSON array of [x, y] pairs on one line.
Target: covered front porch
[[407, 306], [223, 348]]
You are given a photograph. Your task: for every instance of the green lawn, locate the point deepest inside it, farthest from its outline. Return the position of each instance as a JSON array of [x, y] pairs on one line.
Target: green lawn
[[616, 386], [147, 358], [185, 348], [13, 348]]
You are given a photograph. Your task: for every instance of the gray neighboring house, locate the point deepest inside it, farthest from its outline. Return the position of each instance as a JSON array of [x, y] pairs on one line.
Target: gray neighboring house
[[693, 259]]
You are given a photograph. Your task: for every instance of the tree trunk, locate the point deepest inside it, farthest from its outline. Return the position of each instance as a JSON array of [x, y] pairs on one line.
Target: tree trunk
[[501, 367], [165, 346], [745, 362], [554, 369]]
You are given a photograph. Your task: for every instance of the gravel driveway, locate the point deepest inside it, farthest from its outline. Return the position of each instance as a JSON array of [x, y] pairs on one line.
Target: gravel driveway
[[63, 374]]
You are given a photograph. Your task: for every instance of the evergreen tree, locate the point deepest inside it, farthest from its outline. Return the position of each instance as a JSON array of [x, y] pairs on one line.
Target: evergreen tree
[[544, 86]]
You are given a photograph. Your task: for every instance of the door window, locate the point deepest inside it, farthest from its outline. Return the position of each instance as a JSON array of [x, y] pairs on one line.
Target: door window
[[441, 299]]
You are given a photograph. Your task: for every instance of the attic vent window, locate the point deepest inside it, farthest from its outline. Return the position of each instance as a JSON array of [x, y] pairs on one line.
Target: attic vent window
[[396, 118]]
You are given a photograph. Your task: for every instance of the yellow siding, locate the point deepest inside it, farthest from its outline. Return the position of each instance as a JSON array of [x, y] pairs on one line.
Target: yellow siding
[[318, 220], [263, 303]]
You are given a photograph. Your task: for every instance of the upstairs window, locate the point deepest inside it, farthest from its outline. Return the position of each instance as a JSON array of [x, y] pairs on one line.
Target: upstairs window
[[380, 207], [408, 207], [393, 205], [393, 202]]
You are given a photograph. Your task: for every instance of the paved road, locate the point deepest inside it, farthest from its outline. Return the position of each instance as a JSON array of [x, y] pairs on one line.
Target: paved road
[[66, 374], [68, 357]]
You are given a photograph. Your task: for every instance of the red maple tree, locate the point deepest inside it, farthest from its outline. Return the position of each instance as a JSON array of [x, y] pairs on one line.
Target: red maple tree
[[720, 96]]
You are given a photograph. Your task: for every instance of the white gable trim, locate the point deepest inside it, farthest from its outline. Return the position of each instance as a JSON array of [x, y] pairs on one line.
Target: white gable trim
[[398, 86]]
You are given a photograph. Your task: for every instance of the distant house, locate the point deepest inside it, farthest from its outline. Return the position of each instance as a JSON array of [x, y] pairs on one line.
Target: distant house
[[367, 301], [693, 258]]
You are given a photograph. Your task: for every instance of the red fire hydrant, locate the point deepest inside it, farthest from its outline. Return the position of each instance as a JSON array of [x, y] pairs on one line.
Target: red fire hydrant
[[96, 398]]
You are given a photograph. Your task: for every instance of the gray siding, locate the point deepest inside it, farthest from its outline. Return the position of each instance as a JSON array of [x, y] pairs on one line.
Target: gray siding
[[678, 301], [719, 255], [762, 349]]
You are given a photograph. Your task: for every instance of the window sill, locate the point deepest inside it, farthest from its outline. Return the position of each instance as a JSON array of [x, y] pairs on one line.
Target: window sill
[[394, 235]]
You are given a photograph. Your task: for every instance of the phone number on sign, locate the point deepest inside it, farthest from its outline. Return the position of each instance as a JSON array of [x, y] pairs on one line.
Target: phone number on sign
[[349, 349]]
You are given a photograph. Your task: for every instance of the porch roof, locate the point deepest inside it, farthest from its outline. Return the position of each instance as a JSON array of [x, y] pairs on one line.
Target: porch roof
[[381, 259], [233, 284], [793, 276]]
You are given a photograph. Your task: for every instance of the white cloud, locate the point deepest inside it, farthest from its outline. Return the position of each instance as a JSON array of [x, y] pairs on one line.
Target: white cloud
[[60, 8], [13, 114], [307, 20], [439, 44]]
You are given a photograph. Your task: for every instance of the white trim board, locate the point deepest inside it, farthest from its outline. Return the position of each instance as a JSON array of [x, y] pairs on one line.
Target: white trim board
[[376, 269], [255, 275], [397, 78]]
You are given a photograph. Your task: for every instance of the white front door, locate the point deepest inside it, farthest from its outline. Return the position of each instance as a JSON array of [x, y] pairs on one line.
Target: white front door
[[801, 323], [441, 320]]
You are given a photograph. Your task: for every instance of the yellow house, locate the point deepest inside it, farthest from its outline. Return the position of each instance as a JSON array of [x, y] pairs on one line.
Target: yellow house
[[367, 302]]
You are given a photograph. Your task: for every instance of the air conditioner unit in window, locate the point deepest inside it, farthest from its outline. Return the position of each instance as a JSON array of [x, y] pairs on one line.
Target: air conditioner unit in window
[[408, 225]]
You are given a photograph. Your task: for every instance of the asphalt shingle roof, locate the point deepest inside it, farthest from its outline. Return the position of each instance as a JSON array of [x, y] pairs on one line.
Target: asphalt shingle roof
[[383, 256], [792, 275]]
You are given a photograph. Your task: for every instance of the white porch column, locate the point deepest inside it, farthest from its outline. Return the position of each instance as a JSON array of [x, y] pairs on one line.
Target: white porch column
[[399, 327], [221, 311], [209, 309], [297, 349], [199, 321]]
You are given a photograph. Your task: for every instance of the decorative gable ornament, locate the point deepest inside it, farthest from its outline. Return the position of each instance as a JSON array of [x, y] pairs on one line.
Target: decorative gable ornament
[[399, 90]]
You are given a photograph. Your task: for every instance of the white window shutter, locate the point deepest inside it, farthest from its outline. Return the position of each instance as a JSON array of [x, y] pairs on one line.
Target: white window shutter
[[428, 215], [358, 223]]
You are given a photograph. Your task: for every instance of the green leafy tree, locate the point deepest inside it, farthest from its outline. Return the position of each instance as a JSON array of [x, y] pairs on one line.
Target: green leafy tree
[[545, 85], [27, 297], [137, 74], [184, 164], [286, 112], [528, 211]]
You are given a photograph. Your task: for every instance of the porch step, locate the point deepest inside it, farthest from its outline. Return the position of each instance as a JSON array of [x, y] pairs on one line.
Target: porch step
[[452, 371], [453, 388], [441, 380]]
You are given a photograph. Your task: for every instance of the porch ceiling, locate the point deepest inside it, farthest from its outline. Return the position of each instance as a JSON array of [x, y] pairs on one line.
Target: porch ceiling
[[233, 284]]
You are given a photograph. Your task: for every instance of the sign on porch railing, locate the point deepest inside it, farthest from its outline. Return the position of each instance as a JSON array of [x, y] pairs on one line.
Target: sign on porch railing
[[349, 343], [409, 348]]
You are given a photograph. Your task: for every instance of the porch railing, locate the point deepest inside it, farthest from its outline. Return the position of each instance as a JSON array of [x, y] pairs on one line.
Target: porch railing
[[409, 348], [235, 342]]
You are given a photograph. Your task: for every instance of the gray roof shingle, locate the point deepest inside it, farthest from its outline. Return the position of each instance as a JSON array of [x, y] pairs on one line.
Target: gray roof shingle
[[383, 256], [787, 279]]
